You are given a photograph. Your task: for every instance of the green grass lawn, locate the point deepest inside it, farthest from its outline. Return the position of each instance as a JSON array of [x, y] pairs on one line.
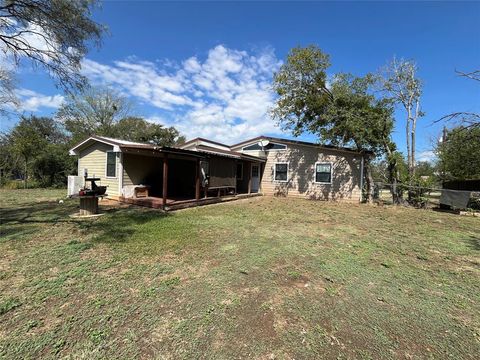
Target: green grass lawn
[[261, 278]]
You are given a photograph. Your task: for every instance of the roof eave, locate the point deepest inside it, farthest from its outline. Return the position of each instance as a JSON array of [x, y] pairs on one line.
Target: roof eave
[[75, 150], [301, 143]]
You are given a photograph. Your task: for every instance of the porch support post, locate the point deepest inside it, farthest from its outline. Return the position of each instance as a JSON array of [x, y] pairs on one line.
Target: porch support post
[[197, 180], [260, 175], [165, 181], [249, 177]]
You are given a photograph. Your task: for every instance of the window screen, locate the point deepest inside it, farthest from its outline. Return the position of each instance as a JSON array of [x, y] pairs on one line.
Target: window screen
[[323, 173], [111, 164], [281, 171]]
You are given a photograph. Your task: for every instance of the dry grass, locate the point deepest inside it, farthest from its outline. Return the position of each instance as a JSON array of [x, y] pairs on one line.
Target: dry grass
[[260, 278]]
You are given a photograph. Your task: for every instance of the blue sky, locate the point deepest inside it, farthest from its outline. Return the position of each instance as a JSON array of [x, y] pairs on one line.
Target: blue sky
[[206, 67]]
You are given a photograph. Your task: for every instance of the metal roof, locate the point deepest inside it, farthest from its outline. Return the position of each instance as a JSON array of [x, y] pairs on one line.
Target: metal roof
[[227, 153]]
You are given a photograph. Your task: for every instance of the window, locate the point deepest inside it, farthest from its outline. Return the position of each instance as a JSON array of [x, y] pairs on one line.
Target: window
[[255, 169], [270, 146], [240, 171], [323, 173], [281, 172], [111, 164]]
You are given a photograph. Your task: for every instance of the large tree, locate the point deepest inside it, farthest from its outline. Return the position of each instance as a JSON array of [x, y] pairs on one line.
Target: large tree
[[53, 34], [95, 111], [31, 136], [301, 86], [11, 165], [459, 154], [400, 81], [104, 112], [53, 164], [343, 112], [357, 118], [140, 130]]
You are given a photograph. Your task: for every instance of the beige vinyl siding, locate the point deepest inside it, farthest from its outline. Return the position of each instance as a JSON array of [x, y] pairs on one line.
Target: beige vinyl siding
[[94, 159], [301, 161]]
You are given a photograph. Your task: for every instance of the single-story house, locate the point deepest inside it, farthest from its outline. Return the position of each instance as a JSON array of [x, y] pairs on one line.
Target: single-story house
[[201, 169]]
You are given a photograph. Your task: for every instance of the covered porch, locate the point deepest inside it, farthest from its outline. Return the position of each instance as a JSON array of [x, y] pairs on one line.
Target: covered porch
[[173, 178]]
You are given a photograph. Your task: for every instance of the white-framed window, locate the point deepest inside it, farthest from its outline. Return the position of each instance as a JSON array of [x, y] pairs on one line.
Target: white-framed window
[[239, 171], [111, 165], [323, 173], [280, 172]]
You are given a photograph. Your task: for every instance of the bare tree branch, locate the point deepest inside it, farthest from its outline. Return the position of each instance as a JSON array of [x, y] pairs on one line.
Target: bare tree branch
[[8, 100], [52, 34], [463, 119], [474, 75]]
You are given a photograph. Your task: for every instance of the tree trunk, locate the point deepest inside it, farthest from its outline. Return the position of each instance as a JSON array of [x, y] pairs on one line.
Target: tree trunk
[[25, 175], [368, 181], [414, 124], [414, 127], [393, 176], [409, 157]]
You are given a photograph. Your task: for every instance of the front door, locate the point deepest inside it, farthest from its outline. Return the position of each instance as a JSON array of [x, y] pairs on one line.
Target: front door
[[255, 178]]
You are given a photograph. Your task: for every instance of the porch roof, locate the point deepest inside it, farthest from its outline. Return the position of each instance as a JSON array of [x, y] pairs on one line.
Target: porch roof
[[228, 153], [123, 145]]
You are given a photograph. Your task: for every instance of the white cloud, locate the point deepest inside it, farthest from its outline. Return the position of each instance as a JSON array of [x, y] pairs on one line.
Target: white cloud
[[226, 96], [428, 155], [33, 101]]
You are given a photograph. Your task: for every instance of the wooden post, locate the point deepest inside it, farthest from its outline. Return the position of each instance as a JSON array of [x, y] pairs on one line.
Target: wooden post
[[260, 175], [88, 205], [249, 178], [165, 181], [197, 180]]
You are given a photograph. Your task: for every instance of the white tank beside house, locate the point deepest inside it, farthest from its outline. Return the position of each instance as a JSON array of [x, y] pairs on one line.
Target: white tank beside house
[[75, 183]]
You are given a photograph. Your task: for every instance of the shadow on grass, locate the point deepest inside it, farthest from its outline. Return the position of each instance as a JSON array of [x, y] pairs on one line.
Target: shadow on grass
[[18, 230], [118, 225], [473, 242], [43, 212]]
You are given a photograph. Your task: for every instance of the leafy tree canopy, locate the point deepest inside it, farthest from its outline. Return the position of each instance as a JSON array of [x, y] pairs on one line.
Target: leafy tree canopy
[[138, 129], [342, 112], [459, 154], [35, 138], [425, 168], [95, 111], [33, 133], [355, 117], [301, 86]]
